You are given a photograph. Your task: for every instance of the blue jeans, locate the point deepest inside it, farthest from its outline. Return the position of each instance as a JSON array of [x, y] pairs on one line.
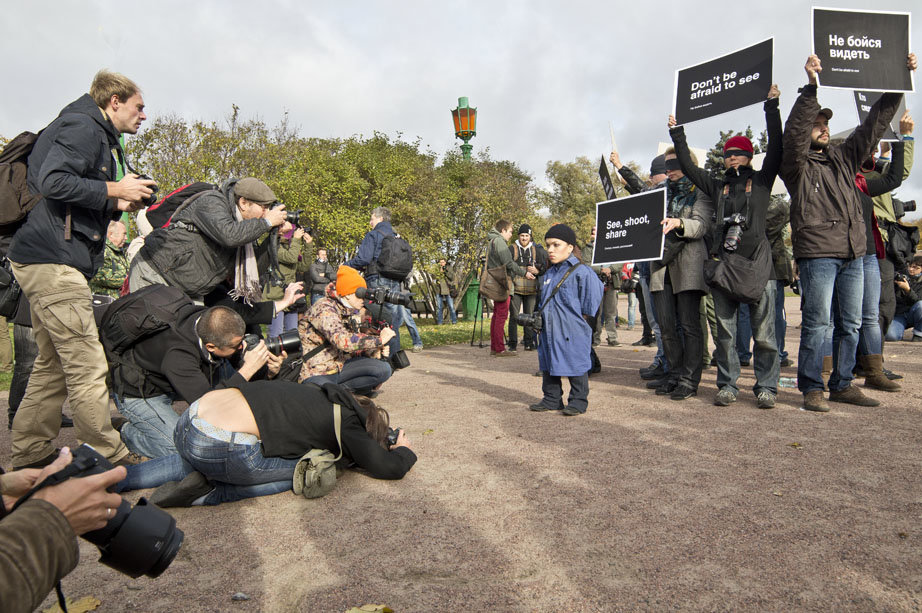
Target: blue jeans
[[151, 421], [359, 374], [315, 296], [660, 358], [743, 333], [237, 471], [631, 308], [406, 318], [762, 317], [781, 322], [282, 322], [869, 335], [821, 281], [908, 319], [388, 312], [440, 302]]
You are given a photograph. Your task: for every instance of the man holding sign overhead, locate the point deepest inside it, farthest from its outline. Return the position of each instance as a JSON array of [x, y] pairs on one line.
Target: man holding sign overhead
[[828, 234]]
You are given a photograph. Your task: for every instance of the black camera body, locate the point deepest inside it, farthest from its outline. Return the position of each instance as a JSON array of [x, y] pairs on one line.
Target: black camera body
[[152, 199], [736, 224], [535, 321], [900, 277], [139, 540], [900, 208], [294, 218], [380, 295], [289, 341]]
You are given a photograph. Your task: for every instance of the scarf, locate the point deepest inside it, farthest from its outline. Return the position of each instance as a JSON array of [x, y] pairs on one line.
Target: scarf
[[246, 274], [681, 193]]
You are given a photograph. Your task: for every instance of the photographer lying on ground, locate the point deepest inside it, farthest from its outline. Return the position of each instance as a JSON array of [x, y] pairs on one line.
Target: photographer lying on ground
[[334, 346], [565, 339], [247, 440]]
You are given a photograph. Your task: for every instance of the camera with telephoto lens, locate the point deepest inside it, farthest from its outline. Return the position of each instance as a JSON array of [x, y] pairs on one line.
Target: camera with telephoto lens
[[380, 295], [900, 208], [736, 225], [533, 321], [289, 341], [152, 199], [139, 540], [392, 434]]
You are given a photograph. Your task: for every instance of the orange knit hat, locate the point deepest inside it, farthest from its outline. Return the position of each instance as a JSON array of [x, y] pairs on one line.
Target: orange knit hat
[[348, 280]]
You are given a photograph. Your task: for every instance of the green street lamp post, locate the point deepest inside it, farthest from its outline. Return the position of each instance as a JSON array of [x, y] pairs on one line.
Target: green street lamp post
[[465, 119]]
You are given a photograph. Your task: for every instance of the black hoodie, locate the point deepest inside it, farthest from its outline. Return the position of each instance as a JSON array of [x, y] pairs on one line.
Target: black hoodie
[[70, 164]]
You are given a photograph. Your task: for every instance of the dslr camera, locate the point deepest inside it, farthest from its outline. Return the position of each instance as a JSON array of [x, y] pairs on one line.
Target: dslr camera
[[294, 218], [900, 277], [288, 341], [152, 199], [391, 439], [534, 320], [900, 208], [139, 540], [735, 225], [380, 295]]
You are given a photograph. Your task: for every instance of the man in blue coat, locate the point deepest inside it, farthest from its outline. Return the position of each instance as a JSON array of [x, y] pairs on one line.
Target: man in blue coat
[[569, 293]]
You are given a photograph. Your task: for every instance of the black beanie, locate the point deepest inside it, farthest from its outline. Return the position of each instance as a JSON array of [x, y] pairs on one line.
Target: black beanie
[[525, 229], [658, 165], [562, 232]]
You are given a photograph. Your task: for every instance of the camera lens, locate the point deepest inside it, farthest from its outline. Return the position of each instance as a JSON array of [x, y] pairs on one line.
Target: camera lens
[[289, 341]]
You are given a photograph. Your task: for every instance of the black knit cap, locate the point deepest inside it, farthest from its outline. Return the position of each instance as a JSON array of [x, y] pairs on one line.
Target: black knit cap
[[562, 232], [525, 229], [658, 165]]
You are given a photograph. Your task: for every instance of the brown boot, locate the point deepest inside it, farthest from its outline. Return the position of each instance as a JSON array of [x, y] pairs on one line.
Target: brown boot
[[853, 395], [814, 401], [874, 377]]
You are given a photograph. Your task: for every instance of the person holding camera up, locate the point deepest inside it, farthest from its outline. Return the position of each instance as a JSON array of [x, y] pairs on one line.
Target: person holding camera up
[[56, 251], [335, 347], [908, 303], [294, 257], [210, 240], [565, 338], [742, 195]]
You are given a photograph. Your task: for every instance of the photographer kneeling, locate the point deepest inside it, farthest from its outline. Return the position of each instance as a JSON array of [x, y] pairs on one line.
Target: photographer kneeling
[[334, 347]]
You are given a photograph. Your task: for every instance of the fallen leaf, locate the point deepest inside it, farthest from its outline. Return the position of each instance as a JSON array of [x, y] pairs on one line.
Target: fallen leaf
[[87, 603], [776, 493], [903, 535], [795, 445], [428, 431], [371, 608]]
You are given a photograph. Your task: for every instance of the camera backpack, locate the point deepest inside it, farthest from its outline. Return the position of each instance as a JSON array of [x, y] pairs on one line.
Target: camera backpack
[[16, 199], [161, 213], [395, 261]]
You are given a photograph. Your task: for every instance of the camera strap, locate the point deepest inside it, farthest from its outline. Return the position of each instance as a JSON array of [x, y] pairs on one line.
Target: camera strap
[[559, 283], [717, 241]]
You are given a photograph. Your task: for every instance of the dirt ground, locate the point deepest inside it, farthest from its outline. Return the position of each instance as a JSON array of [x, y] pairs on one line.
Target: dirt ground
[[642, 504]]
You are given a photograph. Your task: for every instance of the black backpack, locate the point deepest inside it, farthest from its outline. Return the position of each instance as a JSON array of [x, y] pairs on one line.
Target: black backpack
[[16, 199], [395, 261], [161, 213]]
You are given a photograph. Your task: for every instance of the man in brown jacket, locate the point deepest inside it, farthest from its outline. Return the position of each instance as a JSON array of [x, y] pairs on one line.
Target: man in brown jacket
[[828, 234]]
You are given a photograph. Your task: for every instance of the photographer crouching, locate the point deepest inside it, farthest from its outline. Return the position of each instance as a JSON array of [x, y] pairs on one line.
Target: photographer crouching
[[565, 337], [336, 347]]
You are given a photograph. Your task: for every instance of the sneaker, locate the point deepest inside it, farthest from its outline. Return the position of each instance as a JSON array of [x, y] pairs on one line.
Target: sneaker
[[503, 354], [540, 406], [417, 348], [892, 375], [683, 392], [814, 401], [916, 339], [614, 344], [644, 342], [656, 383], [853, 395], [529, 348], [648, 374], [181, 493], [786, 363], [570, 411], [666, 388], [131, 459], [725, 397], [765, 400]]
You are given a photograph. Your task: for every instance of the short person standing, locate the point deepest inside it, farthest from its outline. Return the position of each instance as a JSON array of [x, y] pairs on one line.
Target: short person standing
[[568, 295]]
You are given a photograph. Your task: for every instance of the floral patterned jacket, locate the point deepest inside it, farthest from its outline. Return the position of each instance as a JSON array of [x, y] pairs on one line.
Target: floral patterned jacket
[[329, 320]]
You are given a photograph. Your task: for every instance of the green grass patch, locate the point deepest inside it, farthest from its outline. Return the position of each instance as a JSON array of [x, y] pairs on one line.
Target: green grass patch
[[433, 335]]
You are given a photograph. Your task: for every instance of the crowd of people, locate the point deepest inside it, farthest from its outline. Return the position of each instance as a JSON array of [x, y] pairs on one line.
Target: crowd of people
[[230, 260]]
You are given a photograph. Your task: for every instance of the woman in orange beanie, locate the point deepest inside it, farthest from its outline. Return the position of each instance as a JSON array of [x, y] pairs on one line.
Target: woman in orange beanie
[[335, 349]]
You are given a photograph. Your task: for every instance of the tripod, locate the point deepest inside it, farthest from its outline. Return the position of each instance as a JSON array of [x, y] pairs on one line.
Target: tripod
[[481, 309]]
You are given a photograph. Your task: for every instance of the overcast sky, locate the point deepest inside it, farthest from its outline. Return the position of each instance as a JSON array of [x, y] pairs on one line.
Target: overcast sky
[[546, 77]]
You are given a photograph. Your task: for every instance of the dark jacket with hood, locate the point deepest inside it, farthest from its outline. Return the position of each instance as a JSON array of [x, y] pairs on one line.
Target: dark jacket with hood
[[735, 180], [70, 164], [198, 249], [370, 249], [826, 217]]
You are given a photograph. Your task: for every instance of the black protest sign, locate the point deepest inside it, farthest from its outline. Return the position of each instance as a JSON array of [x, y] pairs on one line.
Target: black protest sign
[[630, 229], [606, 180], [864, 100], [862, 49], [723, 84]]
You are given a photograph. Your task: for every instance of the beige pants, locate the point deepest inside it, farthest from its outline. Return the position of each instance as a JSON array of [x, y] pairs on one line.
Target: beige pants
[[71, 364], [6, 347]]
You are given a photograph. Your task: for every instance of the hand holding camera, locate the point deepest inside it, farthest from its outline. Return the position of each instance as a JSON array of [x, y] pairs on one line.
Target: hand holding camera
[[134, 192], [254, 358], [276, 216]]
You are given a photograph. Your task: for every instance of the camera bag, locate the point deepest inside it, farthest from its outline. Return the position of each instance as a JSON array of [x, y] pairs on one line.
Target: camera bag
[[9, 290], [740, 278], [315, 473], [494, 283]]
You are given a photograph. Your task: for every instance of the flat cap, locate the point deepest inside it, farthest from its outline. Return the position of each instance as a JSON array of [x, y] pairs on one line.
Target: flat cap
[[255, 190]]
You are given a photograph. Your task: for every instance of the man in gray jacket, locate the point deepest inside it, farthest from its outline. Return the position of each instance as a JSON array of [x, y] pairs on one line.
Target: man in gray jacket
[[828, 234], [209, 241]]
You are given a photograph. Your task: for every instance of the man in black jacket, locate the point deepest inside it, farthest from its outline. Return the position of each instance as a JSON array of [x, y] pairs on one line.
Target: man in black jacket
[[60, 246], [743, 196]]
